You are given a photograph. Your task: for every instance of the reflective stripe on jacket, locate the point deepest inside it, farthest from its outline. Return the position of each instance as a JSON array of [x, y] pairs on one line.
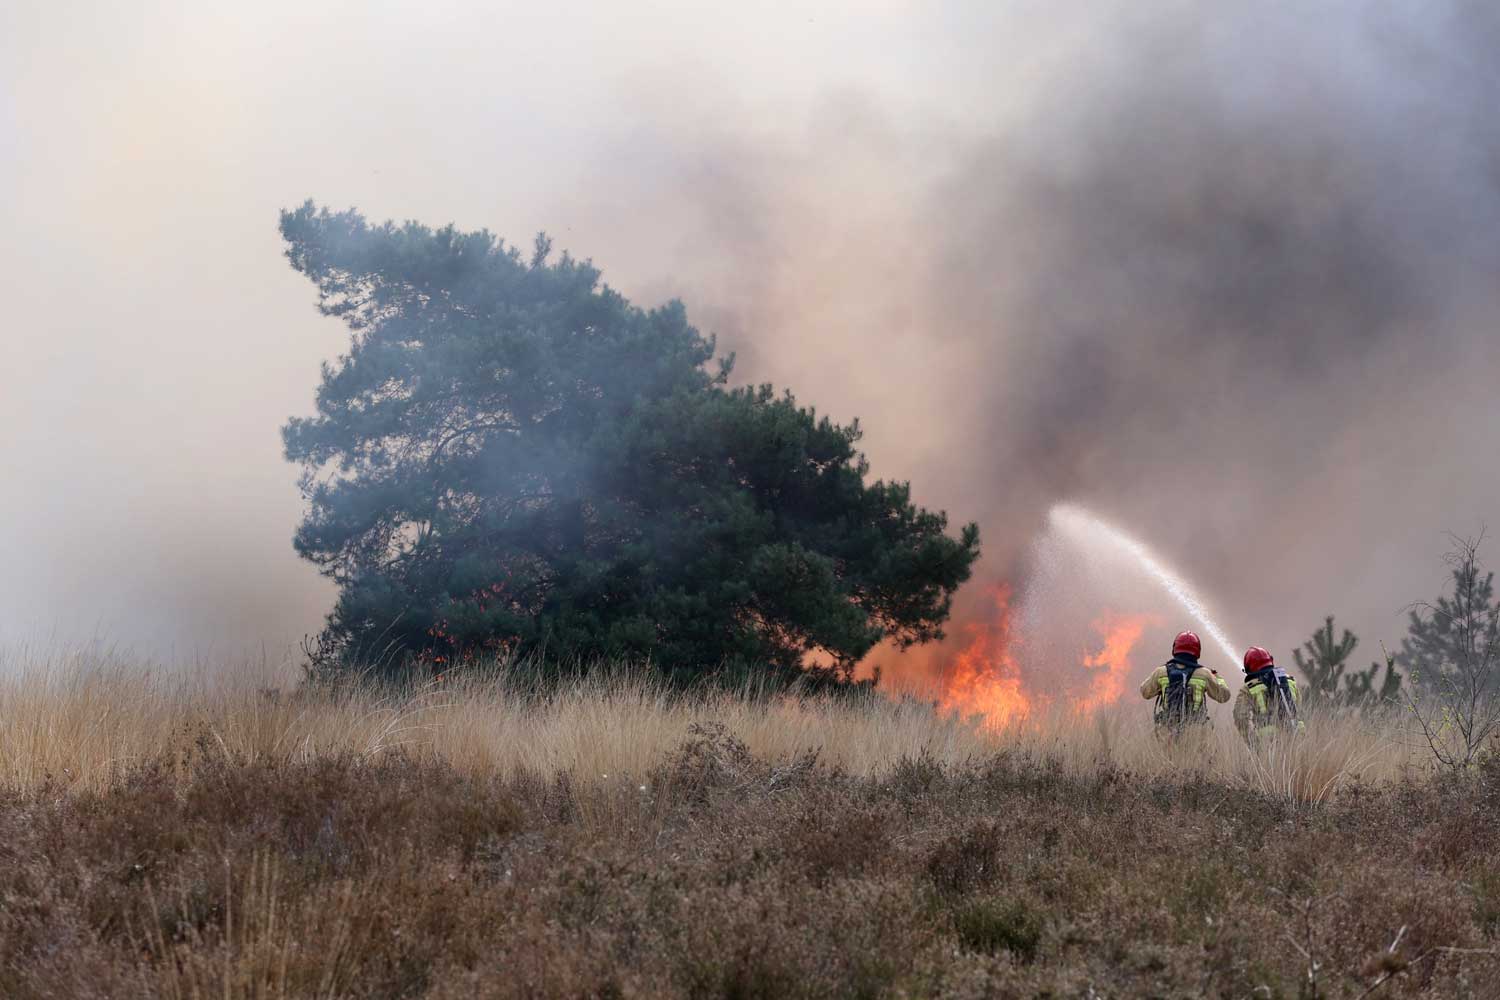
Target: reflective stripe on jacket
[[1202, 682]]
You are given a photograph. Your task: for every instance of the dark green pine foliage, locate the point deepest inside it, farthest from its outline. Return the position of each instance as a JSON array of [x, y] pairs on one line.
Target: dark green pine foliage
[[512, 457], [1361, 689], [1458, 635], [1322, 669]]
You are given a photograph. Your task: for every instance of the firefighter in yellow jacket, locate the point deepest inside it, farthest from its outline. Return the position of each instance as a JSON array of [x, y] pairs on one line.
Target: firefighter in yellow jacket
[[1180, 685], [1268, 703]]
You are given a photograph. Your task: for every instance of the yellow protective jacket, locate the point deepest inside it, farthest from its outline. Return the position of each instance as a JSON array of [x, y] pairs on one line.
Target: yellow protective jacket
[[1203, 682], [1254, 710]]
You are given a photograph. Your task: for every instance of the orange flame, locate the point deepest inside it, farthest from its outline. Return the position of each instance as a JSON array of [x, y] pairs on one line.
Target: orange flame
[[1112, 664], [984, 678]]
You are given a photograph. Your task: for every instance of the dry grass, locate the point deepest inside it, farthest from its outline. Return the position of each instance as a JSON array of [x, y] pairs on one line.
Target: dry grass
[[83, 721]]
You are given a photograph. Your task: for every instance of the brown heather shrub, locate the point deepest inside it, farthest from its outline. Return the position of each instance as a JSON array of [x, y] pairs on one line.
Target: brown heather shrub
[[991, 926], [968, 860], [338, 876]]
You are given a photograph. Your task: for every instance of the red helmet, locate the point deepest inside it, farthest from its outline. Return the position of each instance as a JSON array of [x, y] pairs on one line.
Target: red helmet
[[1189, 643], [1258, 658]]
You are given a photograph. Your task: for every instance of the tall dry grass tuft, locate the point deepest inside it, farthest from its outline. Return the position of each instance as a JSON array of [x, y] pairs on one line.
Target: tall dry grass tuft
[[1336, 750], [83, 720], [258, 951]]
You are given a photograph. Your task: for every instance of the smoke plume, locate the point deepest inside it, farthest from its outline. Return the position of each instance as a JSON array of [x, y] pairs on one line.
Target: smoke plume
[[1223, 276], [1226, 279]]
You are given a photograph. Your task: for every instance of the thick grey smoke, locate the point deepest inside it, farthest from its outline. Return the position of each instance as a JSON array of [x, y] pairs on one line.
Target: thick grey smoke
[[1239, 288], [1225, 275], [1228, 279]]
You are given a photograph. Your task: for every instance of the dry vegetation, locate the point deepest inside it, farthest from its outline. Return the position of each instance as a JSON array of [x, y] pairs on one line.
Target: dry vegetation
[[227, 835]]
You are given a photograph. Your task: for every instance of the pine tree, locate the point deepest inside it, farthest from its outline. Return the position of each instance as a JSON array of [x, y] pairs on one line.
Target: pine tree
[[1323, 676], [1460, 632], [512, 457], [1323, 666], [1360, 687], [1452, 652]]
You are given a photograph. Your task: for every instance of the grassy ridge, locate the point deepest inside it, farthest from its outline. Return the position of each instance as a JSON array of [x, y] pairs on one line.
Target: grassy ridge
[[172, 838]]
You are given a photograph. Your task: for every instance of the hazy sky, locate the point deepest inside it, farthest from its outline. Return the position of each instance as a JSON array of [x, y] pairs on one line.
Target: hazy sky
[[1228, 278]]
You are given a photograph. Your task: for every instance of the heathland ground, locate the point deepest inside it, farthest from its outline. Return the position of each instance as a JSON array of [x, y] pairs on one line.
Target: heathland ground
[[227, 833]]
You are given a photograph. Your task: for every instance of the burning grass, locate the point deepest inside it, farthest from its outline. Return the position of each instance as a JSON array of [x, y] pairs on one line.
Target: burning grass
[[173, 836]]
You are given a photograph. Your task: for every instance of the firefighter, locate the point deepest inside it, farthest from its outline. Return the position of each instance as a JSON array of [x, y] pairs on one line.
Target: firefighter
[[1268, 703], [1180, 684]]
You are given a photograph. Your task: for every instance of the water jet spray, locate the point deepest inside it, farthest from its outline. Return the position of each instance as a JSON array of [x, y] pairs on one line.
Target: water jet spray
[[1090, 532]]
